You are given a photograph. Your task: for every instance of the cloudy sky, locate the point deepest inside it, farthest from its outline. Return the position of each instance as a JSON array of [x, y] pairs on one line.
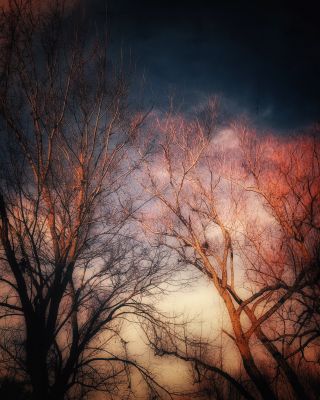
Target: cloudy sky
[[260, 58]]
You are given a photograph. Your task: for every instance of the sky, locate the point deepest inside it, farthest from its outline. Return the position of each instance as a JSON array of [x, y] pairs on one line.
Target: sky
[[261, 59]]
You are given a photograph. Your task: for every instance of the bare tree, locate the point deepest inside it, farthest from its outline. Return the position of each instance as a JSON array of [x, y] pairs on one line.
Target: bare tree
[[71, 270], [204, 194], [285, 175], [210, 379]]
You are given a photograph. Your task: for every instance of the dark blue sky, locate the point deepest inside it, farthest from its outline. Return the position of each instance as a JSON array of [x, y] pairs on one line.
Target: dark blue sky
[[263, 59]]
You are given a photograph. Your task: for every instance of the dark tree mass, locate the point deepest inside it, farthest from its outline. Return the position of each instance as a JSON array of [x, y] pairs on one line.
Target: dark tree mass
[[152, 156]]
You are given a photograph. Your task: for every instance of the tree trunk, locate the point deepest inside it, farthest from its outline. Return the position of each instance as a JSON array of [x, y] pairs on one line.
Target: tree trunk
[[37, 363], [290, 374], [242, 342], [257, 378]]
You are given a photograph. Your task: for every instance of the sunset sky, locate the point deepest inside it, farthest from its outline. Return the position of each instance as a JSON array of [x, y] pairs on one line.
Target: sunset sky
[[214, 227], [263, 62]]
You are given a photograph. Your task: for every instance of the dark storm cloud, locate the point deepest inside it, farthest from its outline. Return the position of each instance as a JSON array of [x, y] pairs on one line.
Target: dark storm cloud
[[263, 60]]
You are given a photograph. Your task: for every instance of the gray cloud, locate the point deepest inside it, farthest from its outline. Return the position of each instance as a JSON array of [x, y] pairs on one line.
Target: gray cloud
[[264, 61]]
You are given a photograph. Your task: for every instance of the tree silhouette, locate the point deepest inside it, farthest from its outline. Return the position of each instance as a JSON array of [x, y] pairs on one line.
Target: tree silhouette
[[72, 269]]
